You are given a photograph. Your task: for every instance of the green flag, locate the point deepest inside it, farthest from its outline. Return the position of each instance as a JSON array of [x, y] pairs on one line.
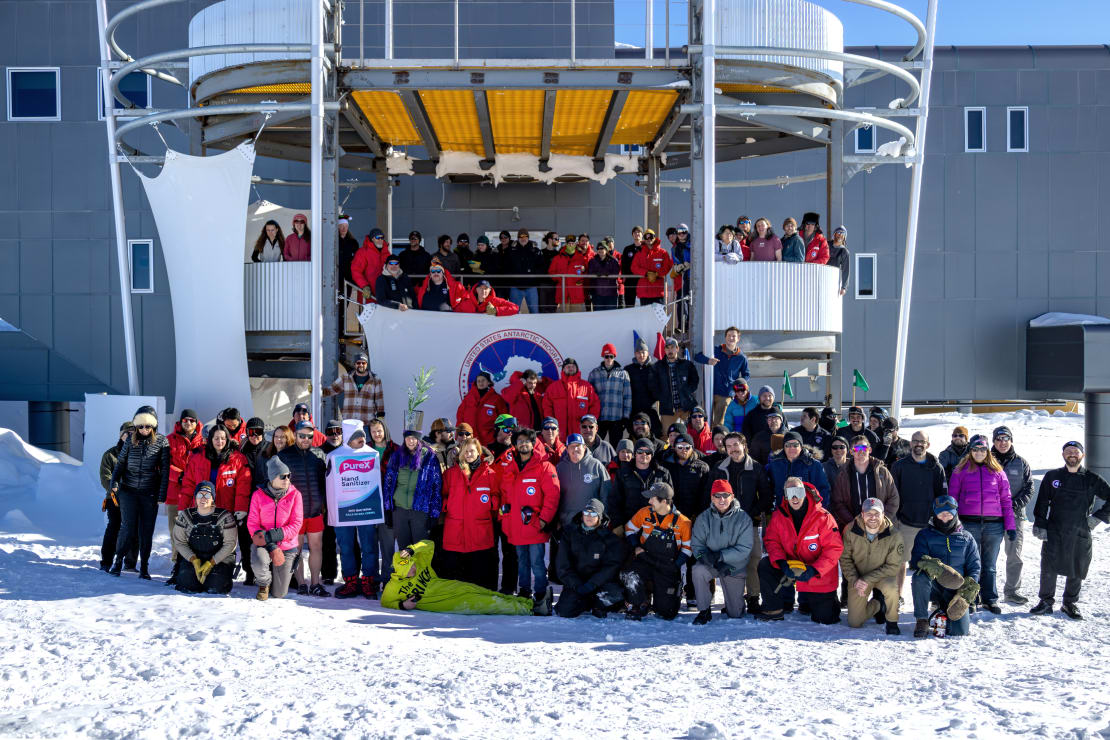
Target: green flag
[[787, 389], [859, 381]]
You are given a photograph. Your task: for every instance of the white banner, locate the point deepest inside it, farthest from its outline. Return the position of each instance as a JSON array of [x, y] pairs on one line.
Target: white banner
[[354, 488], [458, 346]]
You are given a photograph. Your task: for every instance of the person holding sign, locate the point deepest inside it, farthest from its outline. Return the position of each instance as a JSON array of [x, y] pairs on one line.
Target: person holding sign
[[354, 493]]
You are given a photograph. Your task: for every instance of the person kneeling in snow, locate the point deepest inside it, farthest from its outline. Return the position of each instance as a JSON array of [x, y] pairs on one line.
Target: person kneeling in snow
[[274, 521], [205, 537], [721, 542], [414, 585], [946, 565], [873, 556], [588, 563], [659, 536], [803, 546]]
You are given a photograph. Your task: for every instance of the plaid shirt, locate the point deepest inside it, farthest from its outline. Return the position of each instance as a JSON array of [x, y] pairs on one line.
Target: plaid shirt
[[362, 404], [614, 389]]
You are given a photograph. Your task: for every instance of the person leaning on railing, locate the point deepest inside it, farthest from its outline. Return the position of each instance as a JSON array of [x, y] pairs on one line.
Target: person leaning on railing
[[415, 260], [270, 244], [440, 291], [817, 249], [545, 290], [393, 288], [570, 293], [605, 285], [838, 256], [521, 258], [627, 255], [766, 247], [654, 264], [483, 299], [298, 245], [483, 260], [793, 248], [369, 262]]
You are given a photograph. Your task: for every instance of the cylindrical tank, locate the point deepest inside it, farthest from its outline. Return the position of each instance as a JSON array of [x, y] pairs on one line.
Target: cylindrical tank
[[48, 425], [1096, 434]]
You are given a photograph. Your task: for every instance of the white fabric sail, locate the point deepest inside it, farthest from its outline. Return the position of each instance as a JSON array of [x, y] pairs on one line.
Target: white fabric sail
[[199, 206]]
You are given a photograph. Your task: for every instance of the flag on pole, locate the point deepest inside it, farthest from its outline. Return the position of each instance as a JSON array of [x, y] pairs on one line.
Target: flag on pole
[[660, 345], [787, 389], [858, 381]]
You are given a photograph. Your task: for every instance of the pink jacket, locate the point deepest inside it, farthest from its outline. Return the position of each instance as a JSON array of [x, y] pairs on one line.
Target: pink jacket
[[287, 513], [296, 249], [982, 493]]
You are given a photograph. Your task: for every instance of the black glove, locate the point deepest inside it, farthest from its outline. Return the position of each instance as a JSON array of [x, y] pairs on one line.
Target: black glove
[[505, 509], [783, 566], [726, 570], [809, 572], [526, 513], [275, 536], [1011, 535], [582, 589], [389, 518]]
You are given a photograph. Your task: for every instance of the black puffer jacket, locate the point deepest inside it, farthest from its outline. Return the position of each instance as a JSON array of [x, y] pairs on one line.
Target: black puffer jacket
[[919, 485], [644, 385], [629, 484], [306, 472], [691, 483], [591, 557], [1020, 477], [750, 487], [144, 467]]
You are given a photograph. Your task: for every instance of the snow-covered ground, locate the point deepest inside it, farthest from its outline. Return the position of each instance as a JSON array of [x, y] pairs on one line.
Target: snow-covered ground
[[85, 654]]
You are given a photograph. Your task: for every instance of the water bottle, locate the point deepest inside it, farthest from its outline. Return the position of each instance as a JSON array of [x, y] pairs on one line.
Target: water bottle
[[940, 628]]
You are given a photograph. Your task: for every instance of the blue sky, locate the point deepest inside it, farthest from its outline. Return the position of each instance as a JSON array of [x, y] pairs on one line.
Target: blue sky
[[959, 22]]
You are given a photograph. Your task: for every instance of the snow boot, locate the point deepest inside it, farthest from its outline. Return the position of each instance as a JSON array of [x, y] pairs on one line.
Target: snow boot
[[302, 589], [320, 591], [144, 573], [769, 616], [249, 580], [172, 580], [993, 608], [524, 593], [349, 589], [635, 613], [263, 592], [880, 616], [542, 606], [921, 628], [752, 603], [704, 616], [1042, 607], [1016, 599], [599, 612], [116, 568], [892, 628], [368, 588], [1072, 611]]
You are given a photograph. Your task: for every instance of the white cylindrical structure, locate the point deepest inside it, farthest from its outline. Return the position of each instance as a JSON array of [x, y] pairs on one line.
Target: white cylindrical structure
[[247, 22], [784, 23], [778, 296]]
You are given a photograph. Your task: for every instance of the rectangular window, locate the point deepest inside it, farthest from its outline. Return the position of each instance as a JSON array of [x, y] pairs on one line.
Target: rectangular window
[[34, 94], [975, 129], [142, 265], [1017, 129], [865, 276], [865, 139], [135, 87]]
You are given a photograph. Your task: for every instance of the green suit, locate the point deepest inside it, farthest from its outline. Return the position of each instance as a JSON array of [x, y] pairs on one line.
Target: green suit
[[440, 594]]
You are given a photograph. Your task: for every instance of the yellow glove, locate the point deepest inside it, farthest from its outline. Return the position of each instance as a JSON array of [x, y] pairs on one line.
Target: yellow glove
[[204, 570], [797, 565], [198, 567], [490, 309]]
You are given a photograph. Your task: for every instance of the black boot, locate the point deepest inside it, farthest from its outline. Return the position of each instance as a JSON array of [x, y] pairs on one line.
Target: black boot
[[1042, 607], [143, 572], [892, 628], [172, 580], [880, 616], [752, 603], [116, 568], [1072, 611], [704, 616]]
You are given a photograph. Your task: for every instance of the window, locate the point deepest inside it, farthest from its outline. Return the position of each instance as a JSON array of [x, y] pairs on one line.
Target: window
[[1017, 129], [632, 150], [975, 129], [34, 94], [865, 138], [141, 252], [865, 276], [135, 87]]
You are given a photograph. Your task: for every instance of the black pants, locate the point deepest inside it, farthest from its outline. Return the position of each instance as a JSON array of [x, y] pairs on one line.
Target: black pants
[[245, 551], [1049, 576], [330, 567], [824, 607], [650, 301], [508, 561], [613, 430], [661, 581], [139, 514], [553, 558], [217, 582], [478, 567], [572, 604], [111, 534]]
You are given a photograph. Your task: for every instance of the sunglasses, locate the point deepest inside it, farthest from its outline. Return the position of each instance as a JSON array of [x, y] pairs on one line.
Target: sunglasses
[[435, 272], [697, 416], [589, 426], [550, 428], [645, 453], [189, 418], [587, 512], [608, 357], [792, 444], [304, 436], [860, 448], [839, 447], [284, 476], [1004, 438], [683, 448], [462, 434], [721, 495], [255, 432], [959, 436], [143, 426], [205, 495], [334, 432]]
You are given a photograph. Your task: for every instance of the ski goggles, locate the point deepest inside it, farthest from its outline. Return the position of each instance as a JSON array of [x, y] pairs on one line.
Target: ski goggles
[[795, 493], [860, 448]]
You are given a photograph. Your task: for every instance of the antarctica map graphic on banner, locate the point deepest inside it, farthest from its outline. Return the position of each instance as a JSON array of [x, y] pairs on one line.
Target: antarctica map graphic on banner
[[459, 346]]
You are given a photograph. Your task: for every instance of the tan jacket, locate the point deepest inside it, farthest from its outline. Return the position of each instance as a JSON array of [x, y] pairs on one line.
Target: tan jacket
[[843, 504], [872, 560]]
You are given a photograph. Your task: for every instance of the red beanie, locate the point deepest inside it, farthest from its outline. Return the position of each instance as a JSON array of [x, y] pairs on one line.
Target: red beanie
[[721, 486], [609, 349]]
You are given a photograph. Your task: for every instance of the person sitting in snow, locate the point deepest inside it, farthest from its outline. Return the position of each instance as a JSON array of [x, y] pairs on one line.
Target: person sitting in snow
[[588, 563], [414, 585], [205, 538], [946, 565]]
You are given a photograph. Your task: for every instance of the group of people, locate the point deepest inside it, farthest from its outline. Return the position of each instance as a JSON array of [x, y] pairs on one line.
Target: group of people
[[624, 492]]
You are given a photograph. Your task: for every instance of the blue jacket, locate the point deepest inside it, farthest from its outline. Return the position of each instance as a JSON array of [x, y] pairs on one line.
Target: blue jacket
[[428, 496], [957, 550], [728, 369], [778, 469], [736, 411]]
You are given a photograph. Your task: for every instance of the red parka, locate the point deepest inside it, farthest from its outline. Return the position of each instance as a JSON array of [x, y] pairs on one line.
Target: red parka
[[537, 487], [469, 508], [233, 481], [703, 440], [471, 304], [318, 437], [368, 263], [180, 447], [456, 293], [569, 399], [570, 264], [652, 259], [818, 543], [520, 406], [817, 251], [480, 411]]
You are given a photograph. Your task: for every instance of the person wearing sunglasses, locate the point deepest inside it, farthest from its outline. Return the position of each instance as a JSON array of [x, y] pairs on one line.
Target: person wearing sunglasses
[[614, 392], [363, 397], [588, 564], [204, 538], [548, 441], [837, 458], [1020, 477], [951, 455], [369, 261], [659, 537], [632, 480], [482, 298], [721, 544], [275, 520], [529, 503], [803, 547], [440, 291], [690, 480], [110, 507], [415, 260], [769, 441], [185, 438], [393, 288], [920, 481], [305, 461], [865, 477], [298, 245], [753, 492], [140, 481]]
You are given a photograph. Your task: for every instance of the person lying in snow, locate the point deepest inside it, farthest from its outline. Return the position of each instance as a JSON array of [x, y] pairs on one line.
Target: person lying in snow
[[414, 585]]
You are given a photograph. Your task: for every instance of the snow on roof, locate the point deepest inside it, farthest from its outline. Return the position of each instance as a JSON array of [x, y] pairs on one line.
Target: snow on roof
[[1056, 318]]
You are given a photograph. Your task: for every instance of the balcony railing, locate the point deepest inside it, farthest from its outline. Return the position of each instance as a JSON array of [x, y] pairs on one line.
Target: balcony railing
[[276, 296], [778, 296]]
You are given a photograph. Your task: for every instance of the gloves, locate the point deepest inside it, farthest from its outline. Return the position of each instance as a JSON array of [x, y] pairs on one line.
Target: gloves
[[650, 275], [240, 517], [1040, 533], [476, 267], [957, 607], [732, 258], [1093, 521], [366, 293], [968, 591], [277, 557], [582, 589], [1011, 534], [490, 309], [783, 565], [197, 567], [389, 518], [259, 538], [726, 570], [104, 504], [526, 513], [275, 536], [204, 569], [930, 566], [809, 572], [505, 509], [161, 498]]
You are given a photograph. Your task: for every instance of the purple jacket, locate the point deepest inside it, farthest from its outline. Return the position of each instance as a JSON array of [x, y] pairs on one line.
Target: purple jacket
[[982, 493]]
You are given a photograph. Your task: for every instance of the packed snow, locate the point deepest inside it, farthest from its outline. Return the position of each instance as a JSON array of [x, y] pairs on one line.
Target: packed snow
[[86, 654]]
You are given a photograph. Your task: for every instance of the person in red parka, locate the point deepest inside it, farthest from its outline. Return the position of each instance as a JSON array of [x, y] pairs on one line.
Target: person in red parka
[[803, 547], [231, 420], [186, 438], [547, 441], [570, 293], [529, 503], [570, 398], [524, 395], [440, 291], [817, 247], [482, 299], [301, 413], [470, 504], [480, 407], [653, 262], [369, 261]]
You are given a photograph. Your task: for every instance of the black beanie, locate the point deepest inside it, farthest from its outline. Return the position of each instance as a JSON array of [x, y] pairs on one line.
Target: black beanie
[[189, 414]]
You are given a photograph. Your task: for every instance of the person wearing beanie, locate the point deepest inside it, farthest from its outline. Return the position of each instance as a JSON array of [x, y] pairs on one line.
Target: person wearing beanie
[[739, 406], [642, 378], [628, 253], [721, 545], [875, 418], [865, 477], [839, 257], [1020, 476], [480, 408], [110, 506], [301, 413], [306, 463], [676, 383], [613, 387], [363, 397], [1063, 518], [254, 441], [140, 481], [582, 477], [857, 425], [530, 496], [697, 426], [769, 441], [274, 521], [803, 547], [632, 479], [415, 260], [605, 285], [755, 421], [588, 564], [952, 454], [658, 536], [204, 538], [873, 556], [891, 447], [298, 242], [570, 397], [412, 489], [652, 264], [358, 545], [690, 480], [333, 431], [944, 542], [186, 438], [796, 461], [369, 262], [626, 451], [548, 443], [817, 249]]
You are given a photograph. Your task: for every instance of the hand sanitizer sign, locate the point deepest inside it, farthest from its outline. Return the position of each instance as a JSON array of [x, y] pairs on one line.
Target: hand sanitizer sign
[[354, 488]]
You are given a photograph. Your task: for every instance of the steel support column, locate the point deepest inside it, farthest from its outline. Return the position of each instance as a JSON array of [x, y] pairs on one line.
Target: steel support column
[[328, 241], [1096, 433], [703, 160], [316, 77], [834, 193], [384, 204], [652, 203]]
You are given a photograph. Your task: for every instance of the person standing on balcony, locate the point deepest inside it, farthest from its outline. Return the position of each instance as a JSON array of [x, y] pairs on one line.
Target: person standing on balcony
[[440, 291], [677, 384], [415, 260], [369, 262], [627, 255], [729, 364], [522, 258], [744, 235], [446, 256], [654, 264], [766, 247], [817, 249], [545, 290], [348, 248], [298, 245], [728, 247], [838, 256], [393, 288], [570, 292], [482, 299], [605, 285], [270, 244], [793, 248], [483, 261]]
